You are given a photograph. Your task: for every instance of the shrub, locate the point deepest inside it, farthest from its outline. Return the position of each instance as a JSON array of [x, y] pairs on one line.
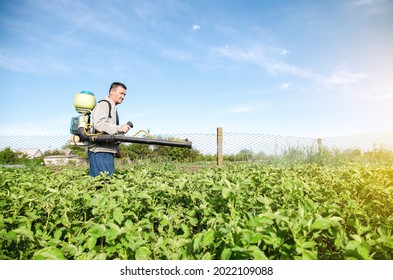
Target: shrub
[[7, 156]]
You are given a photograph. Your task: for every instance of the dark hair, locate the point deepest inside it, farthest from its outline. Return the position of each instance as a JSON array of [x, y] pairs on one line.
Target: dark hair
[[117, 84]]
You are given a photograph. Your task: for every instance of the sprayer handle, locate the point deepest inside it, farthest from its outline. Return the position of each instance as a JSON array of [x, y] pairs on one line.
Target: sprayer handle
[[130, 124]]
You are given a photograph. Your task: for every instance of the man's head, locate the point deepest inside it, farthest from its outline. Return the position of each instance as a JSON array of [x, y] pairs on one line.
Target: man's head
[[117, 92]]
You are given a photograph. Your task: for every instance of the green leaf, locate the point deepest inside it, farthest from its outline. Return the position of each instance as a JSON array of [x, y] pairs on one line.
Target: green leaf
[[118, 215], [69, 249], [90, 243], [226, 254], [208, 238], [65, 221], [164, 221], [247, 235], [263, 220], [48, 253], [225, 192], [197, 241], [227, 183], [207, 256], [356, 250], [142, 253], [144, 195], [256, 237], [24, 232], [321, 223], [111, 234], [100, 256], [309, 255], [58, 234], [11, 236], [265, 200], [308, 245], [193, 221], [113, 231], [197, 195], [97, 231], [186, 230], [364, 250], [256, 253]]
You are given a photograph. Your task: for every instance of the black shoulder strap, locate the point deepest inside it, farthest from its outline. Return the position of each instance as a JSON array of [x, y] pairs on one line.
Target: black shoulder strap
[[110, 110], [110, 107]]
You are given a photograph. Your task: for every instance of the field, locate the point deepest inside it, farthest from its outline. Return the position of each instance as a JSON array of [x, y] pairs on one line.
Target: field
[[182, 211]]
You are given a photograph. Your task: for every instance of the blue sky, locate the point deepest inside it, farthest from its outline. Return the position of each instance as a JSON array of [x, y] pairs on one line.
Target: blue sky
[[299, 68]]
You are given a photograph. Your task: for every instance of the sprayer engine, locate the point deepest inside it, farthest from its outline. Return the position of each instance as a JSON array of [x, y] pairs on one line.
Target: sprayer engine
[[81, 129]]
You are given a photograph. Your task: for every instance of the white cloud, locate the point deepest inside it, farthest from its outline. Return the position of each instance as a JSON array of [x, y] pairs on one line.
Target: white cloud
[[343, 78], [196, 27], [284, 52], [285, 86], [280, 51], [263, 58], [273, 61], [372, 7], [19, 63]]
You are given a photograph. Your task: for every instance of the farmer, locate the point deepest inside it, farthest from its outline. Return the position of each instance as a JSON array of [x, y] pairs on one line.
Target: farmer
[[104, 119]]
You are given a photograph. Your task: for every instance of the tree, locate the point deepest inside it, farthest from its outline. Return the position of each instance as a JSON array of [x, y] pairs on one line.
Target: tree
[[244, 155], [8, 157], [137, 151], [176, 153]]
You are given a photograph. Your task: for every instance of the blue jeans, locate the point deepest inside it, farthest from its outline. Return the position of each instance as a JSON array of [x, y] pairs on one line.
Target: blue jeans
[[101, 162]]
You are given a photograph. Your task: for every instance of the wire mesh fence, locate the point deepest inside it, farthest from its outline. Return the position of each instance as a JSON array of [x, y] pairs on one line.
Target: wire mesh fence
[[28, 142], [269, 144], [363, 142], [233, 143]]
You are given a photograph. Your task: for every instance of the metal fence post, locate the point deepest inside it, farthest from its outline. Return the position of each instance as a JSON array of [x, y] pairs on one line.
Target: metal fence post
[[219, 146]]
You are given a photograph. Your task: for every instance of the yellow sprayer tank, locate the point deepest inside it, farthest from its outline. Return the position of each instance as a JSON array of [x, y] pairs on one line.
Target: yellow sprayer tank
[[84, 102]]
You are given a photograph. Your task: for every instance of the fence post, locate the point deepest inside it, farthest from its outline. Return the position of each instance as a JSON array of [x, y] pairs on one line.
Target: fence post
[[320, 145], [219, 146]]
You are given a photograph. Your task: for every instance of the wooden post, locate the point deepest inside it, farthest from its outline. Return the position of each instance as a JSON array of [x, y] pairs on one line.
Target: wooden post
[[219, 147], [320, 145]]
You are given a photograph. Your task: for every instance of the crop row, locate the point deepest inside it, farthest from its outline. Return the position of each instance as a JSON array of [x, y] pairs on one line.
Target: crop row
[[240, 211]]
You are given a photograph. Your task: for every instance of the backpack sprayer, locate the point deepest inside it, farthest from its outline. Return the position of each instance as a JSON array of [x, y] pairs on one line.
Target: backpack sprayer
[[82, 130]]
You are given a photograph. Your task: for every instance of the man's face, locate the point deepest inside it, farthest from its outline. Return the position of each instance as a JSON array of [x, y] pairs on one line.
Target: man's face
[[117, 94]]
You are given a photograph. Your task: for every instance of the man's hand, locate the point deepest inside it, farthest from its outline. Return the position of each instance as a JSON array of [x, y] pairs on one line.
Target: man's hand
[[124, 128]]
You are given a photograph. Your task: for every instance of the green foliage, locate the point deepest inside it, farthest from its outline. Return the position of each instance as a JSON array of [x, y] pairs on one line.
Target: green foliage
[[176, 154], [56, 152], [75, 150], [295, 155], [159, 153], [137, 151], [170, 211], [243, 155], [8, 157]]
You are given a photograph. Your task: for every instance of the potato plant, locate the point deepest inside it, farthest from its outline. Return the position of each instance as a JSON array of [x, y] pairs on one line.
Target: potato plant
[[164, 211]]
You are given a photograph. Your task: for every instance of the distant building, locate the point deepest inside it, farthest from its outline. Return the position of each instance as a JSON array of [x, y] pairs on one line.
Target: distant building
[[30, 153], [64, 160]]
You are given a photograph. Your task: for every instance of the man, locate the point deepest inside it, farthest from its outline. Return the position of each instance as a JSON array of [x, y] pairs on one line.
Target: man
[[104, 119]]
